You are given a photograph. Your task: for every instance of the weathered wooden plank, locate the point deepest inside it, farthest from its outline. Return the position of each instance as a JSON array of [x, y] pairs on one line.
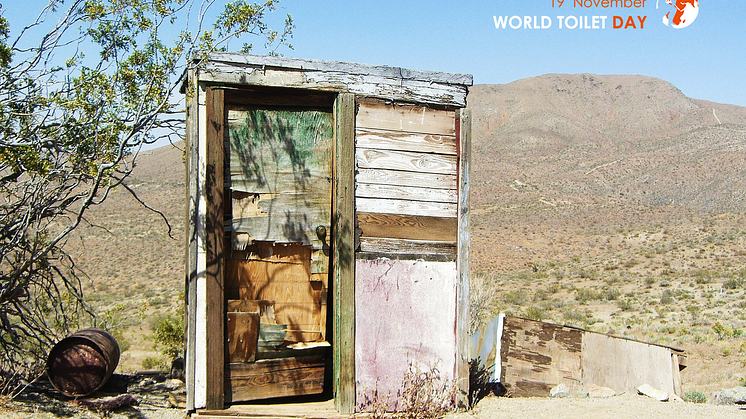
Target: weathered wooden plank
[[320, 260], [190, 245], [414, 193], [391, 89], [281, 160], [343, 228], [624, 365], [463, 124], [274, 252], [397, 206], [283, 181], [261, 61], [414, 179], [407, 227], [274, 378], [295, 409], [292, 225], [407, 247], [389, 347], [215, 315], [242, 330], [297, 299], [405, 141], [406, 161], [537, 356], [379, 115]]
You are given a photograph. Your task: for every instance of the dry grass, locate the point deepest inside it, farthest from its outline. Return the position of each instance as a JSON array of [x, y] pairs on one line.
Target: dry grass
[[613, 203]]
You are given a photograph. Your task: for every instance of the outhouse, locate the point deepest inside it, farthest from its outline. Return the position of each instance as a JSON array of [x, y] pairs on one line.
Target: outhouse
[[327, 248]]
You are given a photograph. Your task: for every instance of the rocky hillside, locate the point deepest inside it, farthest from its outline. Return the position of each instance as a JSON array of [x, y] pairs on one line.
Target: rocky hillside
[[612, 202], [601, 152]]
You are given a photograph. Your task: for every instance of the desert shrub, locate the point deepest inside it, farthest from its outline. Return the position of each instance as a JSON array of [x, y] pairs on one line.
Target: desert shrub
[[481, 301], [702, 276], [625, 304], [424, 394], [515, 297], [724, 332], [695, 397], [667, 297], [631, 263], [168, 336], [153, 363], [732, 284], [588, 273], [534, 313], [611, 294], [584, 295], [579, 317]]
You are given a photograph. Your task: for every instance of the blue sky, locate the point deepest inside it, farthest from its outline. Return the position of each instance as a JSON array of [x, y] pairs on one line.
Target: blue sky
[[706, 60]]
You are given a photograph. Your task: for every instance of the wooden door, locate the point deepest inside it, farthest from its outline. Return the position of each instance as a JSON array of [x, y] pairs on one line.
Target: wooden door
[[278, 179]]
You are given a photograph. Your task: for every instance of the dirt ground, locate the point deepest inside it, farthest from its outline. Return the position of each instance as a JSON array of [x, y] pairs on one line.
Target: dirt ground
[[619, 407], [152, 392]]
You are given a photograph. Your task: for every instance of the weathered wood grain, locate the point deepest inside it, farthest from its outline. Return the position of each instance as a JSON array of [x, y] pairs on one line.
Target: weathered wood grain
[[379, 115], [407, 227], [264, 62], [405, 320], [395, 177], [624, 365], [416, 248], [242, 330], [463, 261], [405, 141], [405, 161], [274, 252], [368, 85], [413, 193], [215, 236], [280, 170], [343, 251], [416, 208], [190, 241], [297, 300], [273, 378], [537, 356], [290, 225]]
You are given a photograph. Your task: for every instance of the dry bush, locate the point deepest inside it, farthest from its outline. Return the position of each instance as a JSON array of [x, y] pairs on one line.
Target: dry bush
[[424, 394]]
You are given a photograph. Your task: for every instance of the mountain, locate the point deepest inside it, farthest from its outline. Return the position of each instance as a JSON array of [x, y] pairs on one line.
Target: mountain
[[584, 154], [583, 173]]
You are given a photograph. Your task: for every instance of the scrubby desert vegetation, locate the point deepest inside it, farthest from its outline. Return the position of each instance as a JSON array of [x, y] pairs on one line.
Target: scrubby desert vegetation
[[614, 203]]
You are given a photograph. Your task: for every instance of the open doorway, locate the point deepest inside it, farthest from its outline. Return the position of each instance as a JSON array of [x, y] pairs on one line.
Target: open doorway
[[277, 215]]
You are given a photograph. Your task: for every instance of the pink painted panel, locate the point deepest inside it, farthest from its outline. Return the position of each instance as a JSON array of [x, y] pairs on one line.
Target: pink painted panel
[[405, 315]]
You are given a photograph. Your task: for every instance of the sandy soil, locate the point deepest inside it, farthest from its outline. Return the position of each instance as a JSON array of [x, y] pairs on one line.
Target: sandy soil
[[624, 406], [153, 405]]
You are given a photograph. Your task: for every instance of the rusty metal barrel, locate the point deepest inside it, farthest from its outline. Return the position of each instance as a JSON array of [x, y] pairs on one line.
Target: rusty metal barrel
[[81, 363]]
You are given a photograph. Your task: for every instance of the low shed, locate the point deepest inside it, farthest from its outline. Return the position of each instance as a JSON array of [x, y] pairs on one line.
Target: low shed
[[327, 248]]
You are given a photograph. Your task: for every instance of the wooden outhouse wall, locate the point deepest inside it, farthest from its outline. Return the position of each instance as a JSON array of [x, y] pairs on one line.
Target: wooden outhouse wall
[[397, 254], [406, 279]]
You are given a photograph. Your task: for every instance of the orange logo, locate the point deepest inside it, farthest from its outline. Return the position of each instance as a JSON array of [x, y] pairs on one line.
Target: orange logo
[[685, 14]]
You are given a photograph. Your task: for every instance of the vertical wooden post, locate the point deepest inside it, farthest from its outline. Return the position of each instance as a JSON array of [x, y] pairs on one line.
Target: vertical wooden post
[[190, 243], [343, 267], [215, 233], [463, 351]]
